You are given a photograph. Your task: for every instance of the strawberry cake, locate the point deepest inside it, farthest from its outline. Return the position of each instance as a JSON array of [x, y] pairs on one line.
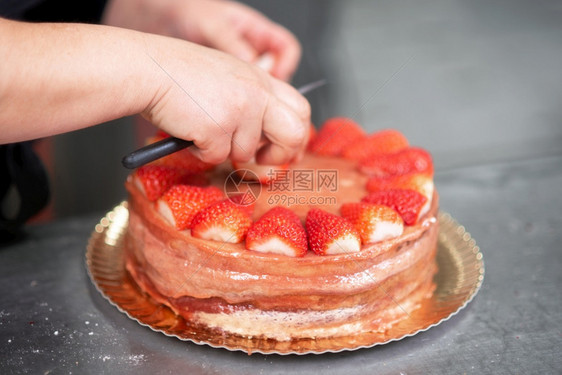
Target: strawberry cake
[[339, 245]]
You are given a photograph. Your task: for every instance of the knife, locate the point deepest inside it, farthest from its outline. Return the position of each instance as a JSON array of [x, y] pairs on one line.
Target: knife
[[170, 145]]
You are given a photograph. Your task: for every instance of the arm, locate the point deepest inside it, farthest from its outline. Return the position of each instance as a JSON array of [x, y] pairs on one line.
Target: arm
[[60, 77], [225, 25]]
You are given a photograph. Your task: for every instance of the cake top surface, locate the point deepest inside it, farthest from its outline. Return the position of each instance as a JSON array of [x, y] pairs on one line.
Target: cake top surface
[[350, 190]]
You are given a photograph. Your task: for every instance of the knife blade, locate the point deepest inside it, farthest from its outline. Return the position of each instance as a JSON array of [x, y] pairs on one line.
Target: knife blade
[[167, 146]]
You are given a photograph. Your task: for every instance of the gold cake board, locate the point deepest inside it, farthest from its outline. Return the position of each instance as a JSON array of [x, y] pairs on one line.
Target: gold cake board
[[460, 275]]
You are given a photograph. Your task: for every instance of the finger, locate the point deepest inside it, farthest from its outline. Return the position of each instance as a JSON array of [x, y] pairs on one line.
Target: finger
[[245, 142], [213, 149], [287, 50], [265, 62], [269, 38], [285, 131], [292, 98], [302, 151], [298, 104]]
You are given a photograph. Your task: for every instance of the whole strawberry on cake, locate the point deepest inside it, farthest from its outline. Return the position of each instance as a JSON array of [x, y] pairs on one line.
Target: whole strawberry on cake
[[330, 250]]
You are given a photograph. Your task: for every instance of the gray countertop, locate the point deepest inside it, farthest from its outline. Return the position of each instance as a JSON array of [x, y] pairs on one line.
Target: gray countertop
[[477, 83], [53, 320]]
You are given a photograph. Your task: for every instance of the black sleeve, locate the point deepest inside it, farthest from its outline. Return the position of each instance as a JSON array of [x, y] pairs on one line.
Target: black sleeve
[[88, 11], [24, 188], [22, 176]]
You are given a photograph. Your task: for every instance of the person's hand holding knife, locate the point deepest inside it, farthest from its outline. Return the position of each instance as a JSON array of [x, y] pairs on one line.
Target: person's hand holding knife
[[61, 77]]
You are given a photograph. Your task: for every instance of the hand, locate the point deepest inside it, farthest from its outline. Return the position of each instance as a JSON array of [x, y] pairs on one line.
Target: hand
[[229, 108], [224, 25], [62, 77]]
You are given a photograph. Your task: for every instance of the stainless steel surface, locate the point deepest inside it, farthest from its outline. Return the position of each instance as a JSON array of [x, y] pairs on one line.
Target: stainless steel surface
[[478, 83], [460, 272], [53, 320]]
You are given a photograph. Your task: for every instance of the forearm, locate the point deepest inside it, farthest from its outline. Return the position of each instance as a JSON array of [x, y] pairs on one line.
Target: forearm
[[60, 77], [228, 26], [56, 78]]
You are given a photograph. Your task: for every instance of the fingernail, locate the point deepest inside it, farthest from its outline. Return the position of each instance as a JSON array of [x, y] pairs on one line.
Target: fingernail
[[265, 62]]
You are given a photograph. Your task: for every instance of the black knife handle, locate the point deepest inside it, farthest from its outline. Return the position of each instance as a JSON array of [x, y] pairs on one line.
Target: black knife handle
[[154, 151]]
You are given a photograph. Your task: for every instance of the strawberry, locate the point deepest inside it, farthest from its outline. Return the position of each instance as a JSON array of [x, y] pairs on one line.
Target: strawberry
[[197, 179], [278, 231], [221, 221], [373, 222], [331, 234], [182, 202], [265, 174], [335, 136], [409, 160], [382, 142], [246, 201], [419, 182], [410, 204], [154, 180]]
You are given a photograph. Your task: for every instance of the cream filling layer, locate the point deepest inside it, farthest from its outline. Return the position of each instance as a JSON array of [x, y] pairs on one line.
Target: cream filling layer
[[295, 324], [306, 324]]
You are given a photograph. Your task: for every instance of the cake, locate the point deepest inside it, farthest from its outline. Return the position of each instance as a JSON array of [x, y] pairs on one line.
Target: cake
[[340, 245]]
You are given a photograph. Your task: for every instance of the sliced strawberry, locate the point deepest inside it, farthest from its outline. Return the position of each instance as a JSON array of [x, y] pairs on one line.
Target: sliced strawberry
[[335, 136], [373, 222], [409, 160], [221, 221], [154, 180], [182, 202], [382, 142], [265, 174], [278, 231], [419, 182], [410, 204], [246, 201], [331, 234]]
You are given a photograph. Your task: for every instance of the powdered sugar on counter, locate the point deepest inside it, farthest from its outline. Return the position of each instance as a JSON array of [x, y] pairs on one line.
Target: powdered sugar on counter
[[133, 359]]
